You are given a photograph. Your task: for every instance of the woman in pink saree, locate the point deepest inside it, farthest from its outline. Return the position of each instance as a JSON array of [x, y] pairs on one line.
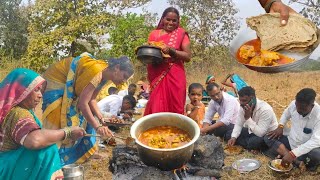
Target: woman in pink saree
[[168, 79]]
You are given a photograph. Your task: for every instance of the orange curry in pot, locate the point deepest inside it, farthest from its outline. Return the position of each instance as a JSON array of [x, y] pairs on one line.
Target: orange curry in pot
[[251, 53], [164, 137]]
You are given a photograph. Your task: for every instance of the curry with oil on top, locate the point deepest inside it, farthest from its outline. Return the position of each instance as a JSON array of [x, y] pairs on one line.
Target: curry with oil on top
[[250, 53], [164, 137]]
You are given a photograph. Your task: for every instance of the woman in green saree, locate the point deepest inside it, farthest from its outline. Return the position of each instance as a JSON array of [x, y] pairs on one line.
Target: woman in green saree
[[26, 150]]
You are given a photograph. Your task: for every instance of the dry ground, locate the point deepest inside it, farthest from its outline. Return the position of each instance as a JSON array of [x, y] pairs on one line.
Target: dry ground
[[277, 89]]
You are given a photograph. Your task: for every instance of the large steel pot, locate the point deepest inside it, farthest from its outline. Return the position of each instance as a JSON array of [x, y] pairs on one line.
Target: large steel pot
[[248, 34], [149, 54], [165, 159]]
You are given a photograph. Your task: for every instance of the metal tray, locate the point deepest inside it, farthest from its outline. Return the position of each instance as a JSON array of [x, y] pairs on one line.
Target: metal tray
[[246, 165], [248, 34]]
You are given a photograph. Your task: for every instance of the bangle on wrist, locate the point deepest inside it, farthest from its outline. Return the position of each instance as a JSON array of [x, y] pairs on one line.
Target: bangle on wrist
[[172, 52], [268, 5], [98, 127], [292, 154], [67, 133], [281, 126]]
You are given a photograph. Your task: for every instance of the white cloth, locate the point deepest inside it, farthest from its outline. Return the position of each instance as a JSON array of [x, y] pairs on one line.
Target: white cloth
[[111, 104], [300, 142], [123, 92], [263, 120], [228, 110]]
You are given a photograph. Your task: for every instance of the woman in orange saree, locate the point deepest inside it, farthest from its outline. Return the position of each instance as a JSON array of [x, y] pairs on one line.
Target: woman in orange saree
[[70, 99], [168, 79]]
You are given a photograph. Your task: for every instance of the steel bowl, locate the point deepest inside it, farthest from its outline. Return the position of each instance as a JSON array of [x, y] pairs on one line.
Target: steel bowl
[[165, 159], [149, 54], [248, 34]]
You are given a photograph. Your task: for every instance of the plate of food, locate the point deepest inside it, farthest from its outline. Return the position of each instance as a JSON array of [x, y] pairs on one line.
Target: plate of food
[[115, 121], [233, 150], [275, 165], [266, 46], [246, 165]]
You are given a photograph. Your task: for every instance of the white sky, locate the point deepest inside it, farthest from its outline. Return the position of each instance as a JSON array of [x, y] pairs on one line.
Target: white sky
[[246, 9]]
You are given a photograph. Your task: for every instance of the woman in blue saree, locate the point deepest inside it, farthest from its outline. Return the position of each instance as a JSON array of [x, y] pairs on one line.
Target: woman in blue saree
[[27, 151]]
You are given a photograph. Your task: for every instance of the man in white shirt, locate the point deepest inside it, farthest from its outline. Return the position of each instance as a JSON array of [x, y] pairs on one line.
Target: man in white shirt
[[303, 140], [226, 106], [130, 91], [112, 103], [256, 118]]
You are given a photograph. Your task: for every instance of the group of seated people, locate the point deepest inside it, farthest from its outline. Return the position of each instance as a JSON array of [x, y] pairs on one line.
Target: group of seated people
[[251, 123], [122, 103]]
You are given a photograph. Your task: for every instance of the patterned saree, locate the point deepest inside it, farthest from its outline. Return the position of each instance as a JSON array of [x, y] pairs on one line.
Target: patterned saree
[[18, 162], [168, 79], [65, 81]]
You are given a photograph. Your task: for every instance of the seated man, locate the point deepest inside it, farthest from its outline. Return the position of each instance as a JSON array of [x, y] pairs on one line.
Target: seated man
[[256, 118], [127, 107], [130, 91], [303, 140], [226, 106], [112, 103]]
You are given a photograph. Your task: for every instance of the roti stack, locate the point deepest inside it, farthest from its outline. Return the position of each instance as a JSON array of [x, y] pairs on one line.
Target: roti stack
[[299, 33]]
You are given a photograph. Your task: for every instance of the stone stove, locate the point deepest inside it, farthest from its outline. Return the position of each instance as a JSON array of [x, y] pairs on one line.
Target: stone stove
[[205, 163]]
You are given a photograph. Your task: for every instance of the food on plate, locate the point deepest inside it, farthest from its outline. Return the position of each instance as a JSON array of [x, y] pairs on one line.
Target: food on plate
[[251, 53], [233, 150], [299, 33], [115, 120], [278, 166], [164, 137]]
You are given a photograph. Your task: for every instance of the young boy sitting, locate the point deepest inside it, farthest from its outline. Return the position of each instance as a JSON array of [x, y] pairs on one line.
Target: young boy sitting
[[195, 109]]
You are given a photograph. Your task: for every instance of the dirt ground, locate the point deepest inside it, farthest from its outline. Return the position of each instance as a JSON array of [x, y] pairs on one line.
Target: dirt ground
[[277, 89]]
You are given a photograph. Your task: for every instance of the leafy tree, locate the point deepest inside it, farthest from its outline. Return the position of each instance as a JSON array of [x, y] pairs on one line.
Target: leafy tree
[[127, 33], [211, 22], [13, 28], [310, 10], [58, 26], [211, 25]]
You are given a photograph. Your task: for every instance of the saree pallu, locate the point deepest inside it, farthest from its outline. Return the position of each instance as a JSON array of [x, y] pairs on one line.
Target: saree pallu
[[240, 83], [65, 81], [168, 79], [26, 164]]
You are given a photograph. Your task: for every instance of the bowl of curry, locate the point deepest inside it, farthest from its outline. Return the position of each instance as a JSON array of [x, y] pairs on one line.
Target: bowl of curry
[[246, 49], [165, 140]]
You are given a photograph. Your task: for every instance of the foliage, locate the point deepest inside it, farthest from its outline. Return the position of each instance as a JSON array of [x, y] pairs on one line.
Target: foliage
[[311, 10], [211, 26], [13, 28], [127, 33], [210, 22]]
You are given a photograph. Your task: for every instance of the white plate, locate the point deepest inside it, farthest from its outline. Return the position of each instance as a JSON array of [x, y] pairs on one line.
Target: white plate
[[248, 34], [278, 161], [246, 165]]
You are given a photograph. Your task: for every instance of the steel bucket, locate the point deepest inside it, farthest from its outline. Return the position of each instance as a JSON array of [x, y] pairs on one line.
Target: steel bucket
[[165, 159], [73, 172], [248, 34]]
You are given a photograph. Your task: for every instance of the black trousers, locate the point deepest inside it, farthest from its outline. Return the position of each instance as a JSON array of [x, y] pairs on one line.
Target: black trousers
[[224, 131], [250, 141]]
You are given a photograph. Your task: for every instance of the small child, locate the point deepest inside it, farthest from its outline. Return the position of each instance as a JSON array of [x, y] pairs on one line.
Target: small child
[[196, 109]]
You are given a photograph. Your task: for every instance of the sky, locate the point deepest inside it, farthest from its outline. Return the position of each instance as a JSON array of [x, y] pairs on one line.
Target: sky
[[246, 9]]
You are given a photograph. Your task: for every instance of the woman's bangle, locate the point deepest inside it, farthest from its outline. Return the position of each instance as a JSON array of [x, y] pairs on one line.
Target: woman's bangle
[[98, 127], [67, 133], [172, 52], [268, 5], [292, 154]]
